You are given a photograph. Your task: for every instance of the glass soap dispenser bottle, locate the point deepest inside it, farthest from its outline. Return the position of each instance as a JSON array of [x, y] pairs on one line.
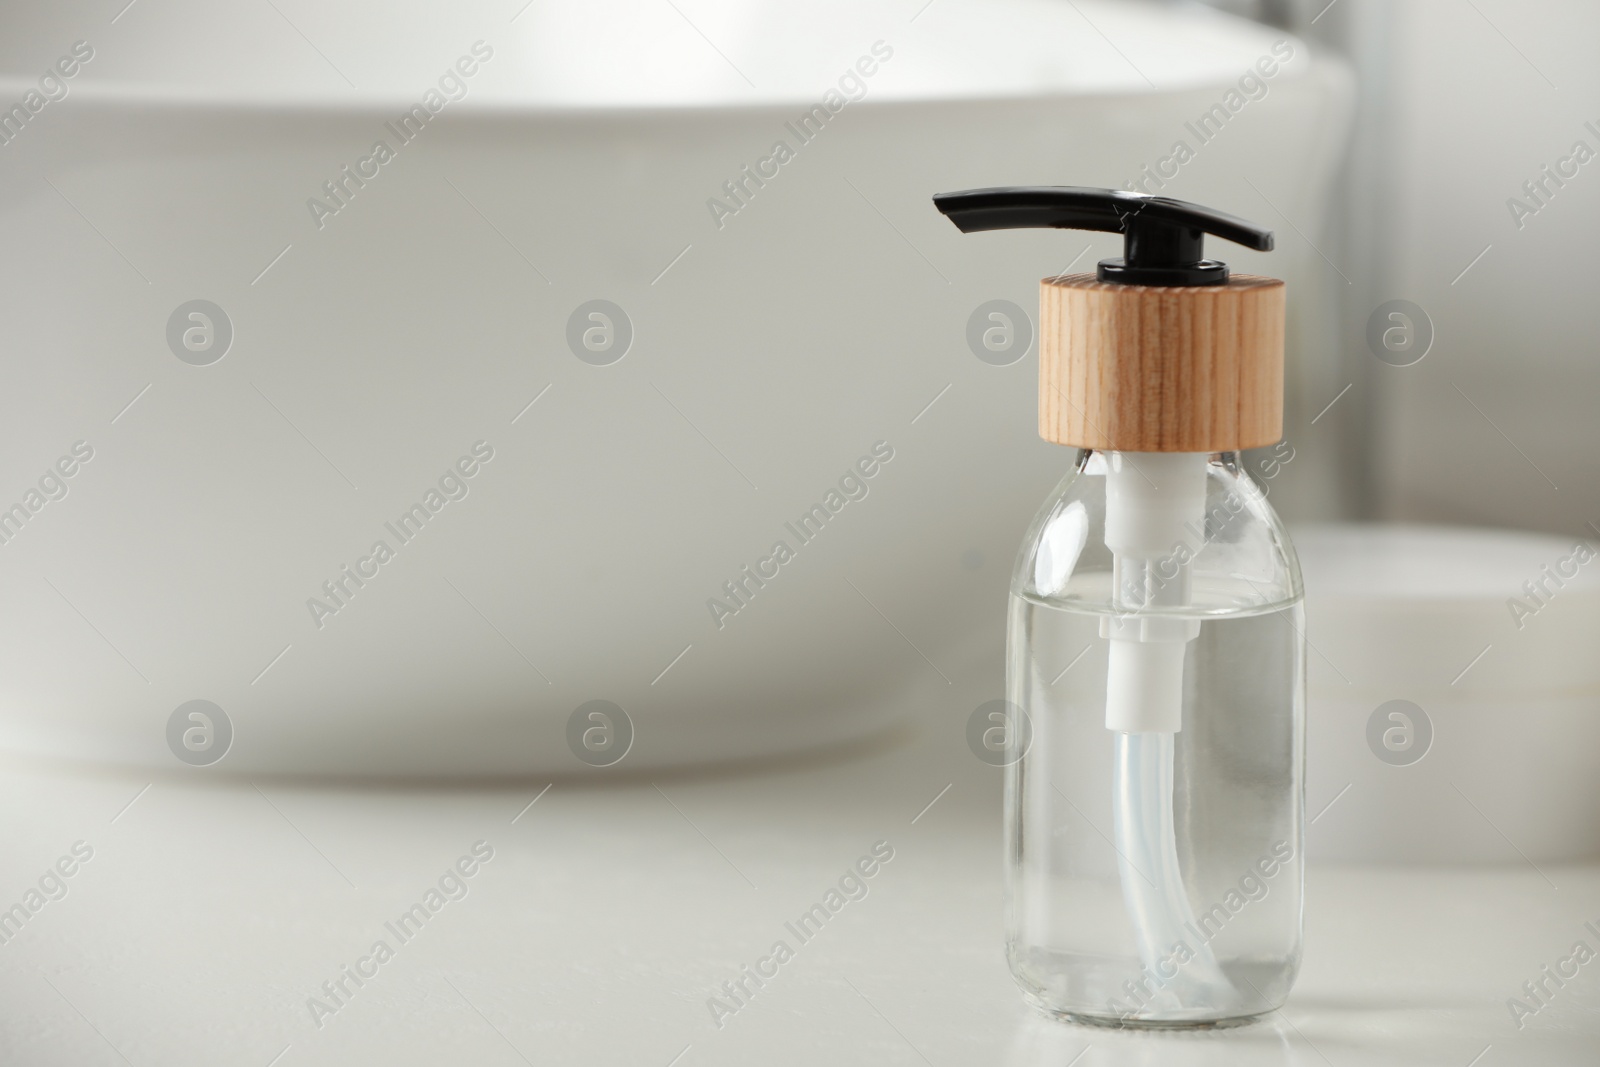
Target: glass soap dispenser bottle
[[1154, 808]]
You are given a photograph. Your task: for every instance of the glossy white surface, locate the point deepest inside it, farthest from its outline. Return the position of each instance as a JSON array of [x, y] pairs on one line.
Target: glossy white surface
[[373, 347], [611, 911], [640, 53]]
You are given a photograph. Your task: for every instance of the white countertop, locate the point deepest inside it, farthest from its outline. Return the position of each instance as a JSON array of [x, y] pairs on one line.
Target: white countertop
[[211, 910]]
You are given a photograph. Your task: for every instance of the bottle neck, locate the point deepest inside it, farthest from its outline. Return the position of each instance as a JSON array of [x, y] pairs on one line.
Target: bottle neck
[[1233, 461]]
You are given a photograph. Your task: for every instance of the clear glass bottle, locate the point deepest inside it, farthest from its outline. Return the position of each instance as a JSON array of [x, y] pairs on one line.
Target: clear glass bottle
[[1154, 823]]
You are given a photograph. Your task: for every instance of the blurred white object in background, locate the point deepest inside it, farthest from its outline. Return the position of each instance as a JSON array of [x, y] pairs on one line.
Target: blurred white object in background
[[1454, 694], [383, 329]]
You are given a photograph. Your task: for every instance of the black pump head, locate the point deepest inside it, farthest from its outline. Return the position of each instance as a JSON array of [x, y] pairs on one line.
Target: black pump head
[[1163, 239]]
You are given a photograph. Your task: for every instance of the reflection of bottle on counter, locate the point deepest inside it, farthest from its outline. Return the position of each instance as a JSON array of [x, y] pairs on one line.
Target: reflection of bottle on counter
[[1154, 824]]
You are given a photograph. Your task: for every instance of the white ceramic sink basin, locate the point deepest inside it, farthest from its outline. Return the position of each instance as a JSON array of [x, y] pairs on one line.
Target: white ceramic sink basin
[[422, 310]]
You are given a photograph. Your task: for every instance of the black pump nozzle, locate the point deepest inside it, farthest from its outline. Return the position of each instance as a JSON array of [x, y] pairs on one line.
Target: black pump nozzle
[[1163, 238]]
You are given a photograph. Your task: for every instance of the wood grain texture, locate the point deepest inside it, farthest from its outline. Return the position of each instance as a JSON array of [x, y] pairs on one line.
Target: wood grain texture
[[1161, 369]]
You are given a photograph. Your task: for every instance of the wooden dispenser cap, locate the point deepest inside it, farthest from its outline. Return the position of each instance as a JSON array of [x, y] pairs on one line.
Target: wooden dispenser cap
[[1140, 368]]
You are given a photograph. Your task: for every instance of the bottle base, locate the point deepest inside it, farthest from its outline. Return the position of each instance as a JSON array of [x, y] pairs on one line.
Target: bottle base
[[1097, 990], [1134, 1022]]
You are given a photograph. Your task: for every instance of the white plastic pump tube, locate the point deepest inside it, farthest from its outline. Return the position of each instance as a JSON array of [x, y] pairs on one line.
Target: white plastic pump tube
[[1153, 503], [1153, 500]]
